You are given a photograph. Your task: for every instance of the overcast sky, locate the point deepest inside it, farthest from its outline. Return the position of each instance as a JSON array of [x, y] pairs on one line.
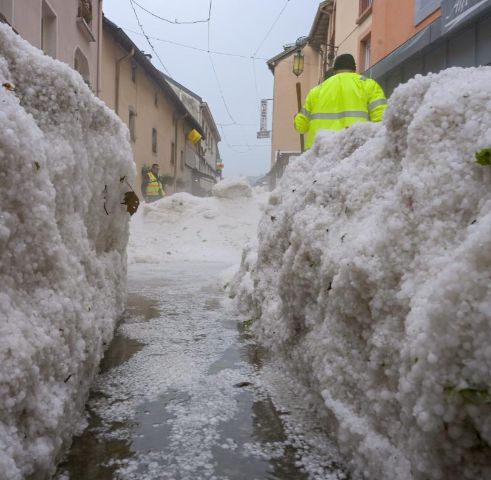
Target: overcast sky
[[239, 27]]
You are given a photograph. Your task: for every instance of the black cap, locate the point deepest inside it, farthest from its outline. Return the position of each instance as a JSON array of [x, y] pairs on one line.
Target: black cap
[[345, 62]]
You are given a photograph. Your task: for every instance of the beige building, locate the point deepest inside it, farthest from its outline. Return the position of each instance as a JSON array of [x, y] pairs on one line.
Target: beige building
[[285, 140], [158, 120], [353, 21], [68, 30], [202, 161]]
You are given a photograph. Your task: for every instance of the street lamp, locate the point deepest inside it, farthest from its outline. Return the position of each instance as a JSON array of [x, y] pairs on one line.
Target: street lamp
[[298, 63]]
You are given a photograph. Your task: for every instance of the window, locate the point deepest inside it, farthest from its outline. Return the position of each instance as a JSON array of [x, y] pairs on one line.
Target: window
[[182, 160], [81, 64], [172, 153], [132, 125], [156, 100], [133, 71], [48, 31], [366, 53], [364, 5], [85, 11], [154, 140]]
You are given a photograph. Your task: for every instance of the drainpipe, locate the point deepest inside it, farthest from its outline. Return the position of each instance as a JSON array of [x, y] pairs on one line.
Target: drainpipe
[[99, 49], [118, 73], [332, 49]]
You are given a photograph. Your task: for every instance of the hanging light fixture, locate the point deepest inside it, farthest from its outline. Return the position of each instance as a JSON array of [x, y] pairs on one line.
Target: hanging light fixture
[[298, 63]]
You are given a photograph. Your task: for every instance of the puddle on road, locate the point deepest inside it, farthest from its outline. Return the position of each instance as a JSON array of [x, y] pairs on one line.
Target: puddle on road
[[150, 432], [139, 306], [252, 433], [122, 348], [88, 456]]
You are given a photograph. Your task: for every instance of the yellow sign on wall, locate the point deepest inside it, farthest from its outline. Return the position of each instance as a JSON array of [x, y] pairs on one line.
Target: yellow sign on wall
[[194, 136]]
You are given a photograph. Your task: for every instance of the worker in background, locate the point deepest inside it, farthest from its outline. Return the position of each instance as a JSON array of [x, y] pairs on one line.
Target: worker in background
[[152, 188], [341, 100]]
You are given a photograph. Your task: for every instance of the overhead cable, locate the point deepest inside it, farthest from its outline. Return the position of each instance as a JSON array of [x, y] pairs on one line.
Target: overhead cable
[[272, 26], [174, 22], [258, 97], [230, 146], [148, 39], [204, 50], [220, 89]]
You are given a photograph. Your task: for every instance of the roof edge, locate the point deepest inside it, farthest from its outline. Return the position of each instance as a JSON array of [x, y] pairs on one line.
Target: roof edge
[[125, 41]]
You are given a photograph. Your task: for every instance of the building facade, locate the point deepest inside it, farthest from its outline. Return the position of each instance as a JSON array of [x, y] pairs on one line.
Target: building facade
[[158, 121], [201, 162], [432, 35], [68, 30]]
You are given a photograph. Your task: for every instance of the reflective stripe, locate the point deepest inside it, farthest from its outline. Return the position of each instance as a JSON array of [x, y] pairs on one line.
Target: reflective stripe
[[376, 104], [335, 116], [154, 186], [305, 112]]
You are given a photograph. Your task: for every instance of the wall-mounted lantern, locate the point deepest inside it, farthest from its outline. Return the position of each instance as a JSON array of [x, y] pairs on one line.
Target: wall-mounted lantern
[[298, 63]]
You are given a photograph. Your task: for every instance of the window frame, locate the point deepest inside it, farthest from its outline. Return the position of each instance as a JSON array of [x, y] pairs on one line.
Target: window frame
[[172, 153], [364, 10], [366, 52]]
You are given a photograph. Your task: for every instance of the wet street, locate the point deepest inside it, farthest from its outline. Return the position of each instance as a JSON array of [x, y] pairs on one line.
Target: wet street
[[184, 393]]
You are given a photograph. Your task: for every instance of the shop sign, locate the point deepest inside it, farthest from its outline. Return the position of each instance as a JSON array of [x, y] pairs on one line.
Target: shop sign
[[454, 12]]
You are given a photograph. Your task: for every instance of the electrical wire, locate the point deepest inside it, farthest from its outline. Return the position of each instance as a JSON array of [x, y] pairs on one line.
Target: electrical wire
[[347, 36], [220, 89], [148, 39], [252, 146], [258, 97], [209, 17], [191, 47], [174, 22], [227, 143], [250, 125], [272, 26], [210, 52]]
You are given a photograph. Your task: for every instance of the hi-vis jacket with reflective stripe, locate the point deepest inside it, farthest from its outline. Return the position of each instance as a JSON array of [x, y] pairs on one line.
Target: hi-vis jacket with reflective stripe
[[154, 189], [338, 102]]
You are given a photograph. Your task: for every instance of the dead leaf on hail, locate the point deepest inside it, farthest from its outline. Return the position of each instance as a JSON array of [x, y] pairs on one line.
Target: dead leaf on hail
[[131, 201]]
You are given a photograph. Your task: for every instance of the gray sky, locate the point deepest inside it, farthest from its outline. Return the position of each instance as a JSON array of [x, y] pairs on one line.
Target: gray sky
[[237, 26]]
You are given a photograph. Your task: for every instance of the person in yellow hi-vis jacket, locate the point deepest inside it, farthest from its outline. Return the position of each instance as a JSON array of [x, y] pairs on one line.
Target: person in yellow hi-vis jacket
[[152, 187], [340, 101]]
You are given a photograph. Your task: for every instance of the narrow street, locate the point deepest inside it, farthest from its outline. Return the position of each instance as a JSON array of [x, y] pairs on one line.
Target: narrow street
[[245, 241], [184, 393]]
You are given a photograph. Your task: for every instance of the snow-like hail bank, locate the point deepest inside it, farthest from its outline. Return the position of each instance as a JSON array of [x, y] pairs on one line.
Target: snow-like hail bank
[[372, 278], [63, 237], [182, 227]]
